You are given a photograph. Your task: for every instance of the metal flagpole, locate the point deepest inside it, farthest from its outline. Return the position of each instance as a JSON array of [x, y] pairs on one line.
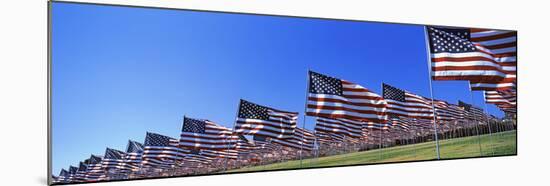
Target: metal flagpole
[[489, 125], [346, 144], [431, 91], [233, 131], [305, 115], [414, 141], [380, 145], [476, 123], [498, 129], [380, 133], [381, 128]]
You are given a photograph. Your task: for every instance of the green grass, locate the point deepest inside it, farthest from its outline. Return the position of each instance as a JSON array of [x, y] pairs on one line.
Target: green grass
[[496, 144]]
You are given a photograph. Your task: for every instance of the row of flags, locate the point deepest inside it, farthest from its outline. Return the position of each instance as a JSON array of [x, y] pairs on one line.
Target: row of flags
[[344, 111], [202, 141]]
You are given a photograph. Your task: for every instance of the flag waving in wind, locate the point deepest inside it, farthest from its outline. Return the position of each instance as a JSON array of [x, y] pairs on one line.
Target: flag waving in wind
[[204, 134], [132, 159], [161, 151], [505, 100], [254, 119], [72, 173], [81, 172], [406, 104], [63, 176], [330, 97], [94, 170], [471, 112], [350, 128], [503, 45], [301, 139], [486, 58], [113, 159]]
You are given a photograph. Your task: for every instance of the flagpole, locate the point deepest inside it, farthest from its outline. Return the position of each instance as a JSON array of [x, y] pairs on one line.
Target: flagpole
[[476, 123], [380, 133], [414, 140], [431, 91], [488, 124], [233, 131], [305, 115], [380, 145], [140, 167]]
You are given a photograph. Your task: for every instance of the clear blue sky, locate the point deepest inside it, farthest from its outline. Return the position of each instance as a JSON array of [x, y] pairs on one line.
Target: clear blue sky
[[119, 72]]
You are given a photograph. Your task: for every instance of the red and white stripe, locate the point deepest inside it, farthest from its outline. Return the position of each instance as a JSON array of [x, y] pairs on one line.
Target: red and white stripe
[[446, 112], [267, 146], [474, 66], [216, 137], [502, 45], [501, 97], [327, 138], [229, 153], [356, 103], [132, 160], [196, 158], [163, 156], [280, 124], [504, 100], [401, 123], [415, 106], [301, 139], [350, 128], [246, 147]]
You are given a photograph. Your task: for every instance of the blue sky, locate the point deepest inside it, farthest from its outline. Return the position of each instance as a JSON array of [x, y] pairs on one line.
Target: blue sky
[[119, 72]]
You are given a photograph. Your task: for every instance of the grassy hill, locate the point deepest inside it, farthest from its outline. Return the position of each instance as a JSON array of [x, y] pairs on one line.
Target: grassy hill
[[496, 144]]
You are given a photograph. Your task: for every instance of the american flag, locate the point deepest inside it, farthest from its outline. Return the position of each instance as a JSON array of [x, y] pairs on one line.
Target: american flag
[[204, 134], [113, 160], [301, 139], [134, 152], [446, 112], [245, 147], [72, 173], [161, 151], [228, 153], [505, 99], [328, 138], [457, 111], [403, 123], [406, 104], [94, 170], [254, 119], [265, 144], [441, 111], [471, 112], [81, 172], [487, 58], [376, 126], [503, 46], [195, 157], [63, 176], [330, 97], [372, 136], [350, 128], [462, 115], [422, 123]]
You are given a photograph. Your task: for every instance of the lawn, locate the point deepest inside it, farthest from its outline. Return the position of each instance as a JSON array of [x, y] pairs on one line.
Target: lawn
[[496, 144]]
